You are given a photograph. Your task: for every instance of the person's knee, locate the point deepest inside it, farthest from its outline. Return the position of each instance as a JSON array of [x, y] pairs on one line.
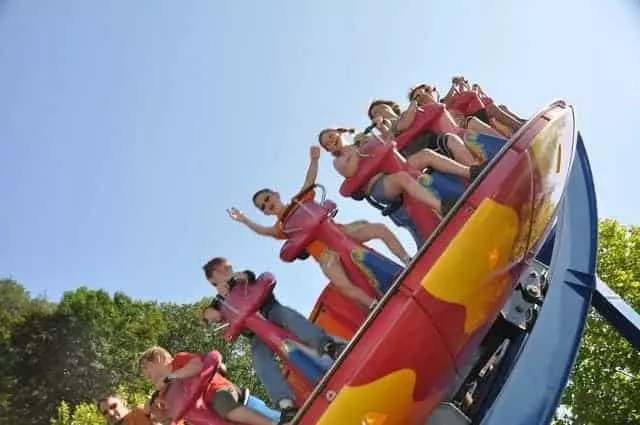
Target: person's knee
[[378, 229], [402, 177]]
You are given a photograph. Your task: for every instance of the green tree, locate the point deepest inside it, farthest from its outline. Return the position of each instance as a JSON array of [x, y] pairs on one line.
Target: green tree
[[605, 385], [15, 305]]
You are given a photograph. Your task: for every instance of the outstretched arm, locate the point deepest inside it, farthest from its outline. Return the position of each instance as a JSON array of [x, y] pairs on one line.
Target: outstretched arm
[[312, 170], [237, 215]]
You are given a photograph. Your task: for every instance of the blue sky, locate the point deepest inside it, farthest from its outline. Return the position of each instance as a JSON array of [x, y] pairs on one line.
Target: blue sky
[[127, 128]]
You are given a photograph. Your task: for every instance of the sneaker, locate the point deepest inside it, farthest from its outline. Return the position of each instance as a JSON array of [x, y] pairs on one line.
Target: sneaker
[[287, 415], [475, 170], [334, 349], [446, 205]]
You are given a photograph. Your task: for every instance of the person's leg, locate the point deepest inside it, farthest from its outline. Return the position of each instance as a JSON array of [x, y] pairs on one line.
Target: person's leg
[[474, 124], [402, 182], [312, 335], [365, 231], [225, 403], [510, 112], [269, 373], [458, 150], [513, 123], [256, 404], [429, 159], [333, 270]]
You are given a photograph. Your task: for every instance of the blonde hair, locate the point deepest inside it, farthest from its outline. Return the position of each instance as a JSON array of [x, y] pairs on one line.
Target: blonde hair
[[155, 355]]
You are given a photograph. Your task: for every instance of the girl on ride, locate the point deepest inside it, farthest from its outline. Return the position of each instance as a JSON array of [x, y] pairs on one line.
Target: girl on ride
[[388, 188], [268, 201], [391, 122], [425, 94], [481, 107]]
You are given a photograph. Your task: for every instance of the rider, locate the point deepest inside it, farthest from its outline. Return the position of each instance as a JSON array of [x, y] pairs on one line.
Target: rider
[[115, 412], [219, 273], [268, 201], [392, 122], [221, 395], [425, 94], [485, 113], [387, 188]]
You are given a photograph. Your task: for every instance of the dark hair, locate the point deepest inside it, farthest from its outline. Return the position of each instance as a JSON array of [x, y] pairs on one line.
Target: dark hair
[[104, 399], [339, 130], [261, 192], [393, 105], [212, 264], [414, 89]]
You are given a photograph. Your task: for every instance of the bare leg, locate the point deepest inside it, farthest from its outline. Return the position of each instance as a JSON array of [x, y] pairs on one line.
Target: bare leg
[[402, 182], [510, 112], [460, 151], [334, 271], [503, 117], [427, 158], [479, 126], [501, 128], [371, 231], [247, 416]]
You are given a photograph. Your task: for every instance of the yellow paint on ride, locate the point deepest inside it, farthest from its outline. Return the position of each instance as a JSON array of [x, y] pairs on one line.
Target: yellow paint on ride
[[553, 168], [385, 401], [474, 269]]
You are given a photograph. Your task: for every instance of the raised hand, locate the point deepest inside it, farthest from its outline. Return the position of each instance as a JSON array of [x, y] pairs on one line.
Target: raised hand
[[314, 152], [236, 215]]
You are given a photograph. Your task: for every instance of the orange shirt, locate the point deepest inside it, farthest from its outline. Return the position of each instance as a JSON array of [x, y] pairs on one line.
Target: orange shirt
[[315, 248], [218, 381], [136, 417]]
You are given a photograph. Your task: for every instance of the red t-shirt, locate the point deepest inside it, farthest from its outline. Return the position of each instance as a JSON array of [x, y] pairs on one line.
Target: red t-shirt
[[180, 360]]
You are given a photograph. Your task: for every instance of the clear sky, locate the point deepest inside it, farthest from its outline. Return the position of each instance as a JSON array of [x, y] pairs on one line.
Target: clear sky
[[127, 128]]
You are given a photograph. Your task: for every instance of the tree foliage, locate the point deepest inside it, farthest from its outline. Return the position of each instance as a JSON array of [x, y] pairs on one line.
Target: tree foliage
[[58, 359], [605, 385]]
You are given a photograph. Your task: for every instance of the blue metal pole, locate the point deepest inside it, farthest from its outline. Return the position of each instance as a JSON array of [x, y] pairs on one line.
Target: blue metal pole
[[532, 392]]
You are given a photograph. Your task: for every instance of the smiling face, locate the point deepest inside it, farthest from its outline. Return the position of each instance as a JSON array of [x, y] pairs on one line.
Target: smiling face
[[424, 95], [154, 370], [113, 410], [221, 273], [331, 141], [268, 202], [384, 111]]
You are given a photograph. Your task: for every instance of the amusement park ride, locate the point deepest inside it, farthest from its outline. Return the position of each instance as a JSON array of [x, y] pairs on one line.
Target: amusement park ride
[[483, 327]]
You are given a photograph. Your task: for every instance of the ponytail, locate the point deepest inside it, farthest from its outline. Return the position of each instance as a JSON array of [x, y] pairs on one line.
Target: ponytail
[[339, 130]]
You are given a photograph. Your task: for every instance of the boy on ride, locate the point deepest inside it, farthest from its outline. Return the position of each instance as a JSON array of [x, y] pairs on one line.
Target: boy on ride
[[268, 201], [219, 273], [221, 395]]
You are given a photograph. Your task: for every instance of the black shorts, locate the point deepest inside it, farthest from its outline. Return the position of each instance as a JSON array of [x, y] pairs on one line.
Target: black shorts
[[483, 116], [224, 401], [435, 142]]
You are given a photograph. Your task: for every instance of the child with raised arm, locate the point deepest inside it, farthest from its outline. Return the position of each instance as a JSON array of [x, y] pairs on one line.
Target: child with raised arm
[[221, 395], [268, 201]]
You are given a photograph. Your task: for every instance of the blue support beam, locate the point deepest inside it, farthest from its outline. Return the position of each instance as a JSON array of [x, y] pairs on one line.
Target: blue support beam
[[618, 313], [532, 392]]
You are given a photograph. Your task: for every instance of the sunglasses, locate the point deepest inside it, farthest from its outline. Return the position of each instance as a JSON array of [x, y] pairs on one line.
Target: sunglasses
[[263, 205]]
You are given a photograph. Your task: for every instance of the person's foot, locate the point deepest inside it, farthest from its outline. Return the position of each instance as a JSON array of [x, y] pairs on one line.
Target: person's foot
[[287, 415], [475, 170], [446, 205], [333, 349]]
